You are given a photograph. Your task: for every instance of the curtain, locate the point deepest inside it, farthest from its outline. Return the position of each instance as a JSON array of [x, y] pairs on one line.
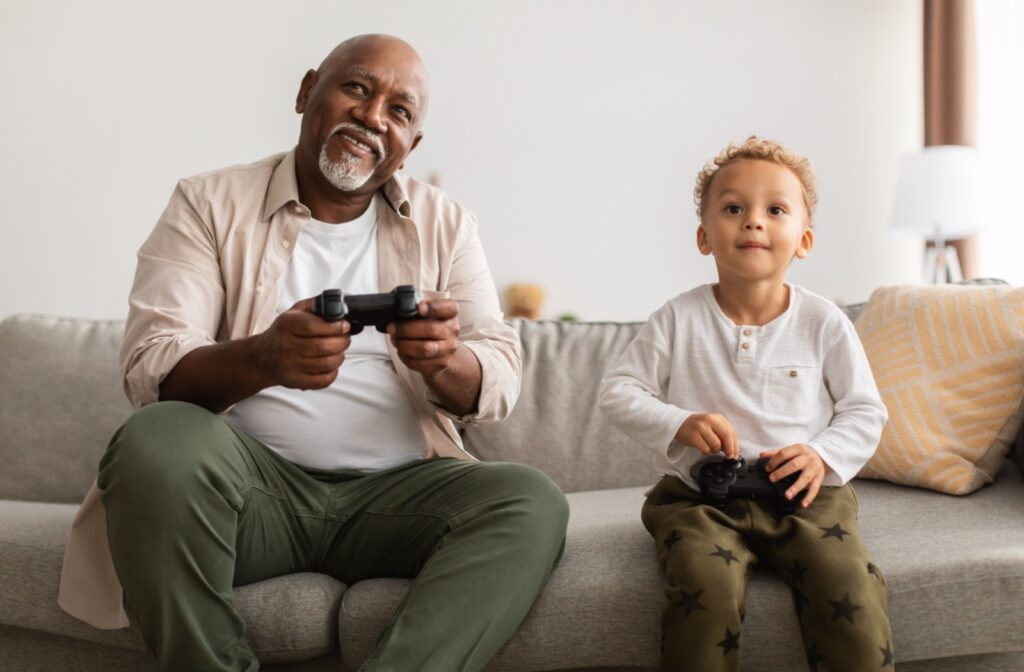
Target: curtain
[[950, 90]]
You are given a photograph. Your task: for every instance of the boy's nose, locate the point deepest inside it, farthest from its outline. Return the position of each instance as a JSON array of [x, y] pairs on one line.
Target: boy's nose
[[753, 224]]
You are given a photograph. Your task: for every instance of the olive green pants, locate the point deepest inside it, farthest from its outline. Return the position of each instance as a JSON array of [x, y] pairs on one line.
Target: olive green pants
[[709, 554], [195, 507]]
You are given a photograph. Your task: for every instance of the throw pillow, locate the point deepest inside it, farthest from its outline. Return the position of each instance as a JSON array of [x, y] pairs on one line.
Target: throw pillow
[[949, 364]]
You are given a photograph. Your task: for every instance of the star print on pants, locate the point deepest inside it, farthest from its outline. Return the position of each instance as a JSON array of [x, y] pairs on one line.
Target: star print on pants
[[689, 602], [887, 659], [799, 601], [725, 555], [672, 539], [844, 608], [834, 531], [730, 643]]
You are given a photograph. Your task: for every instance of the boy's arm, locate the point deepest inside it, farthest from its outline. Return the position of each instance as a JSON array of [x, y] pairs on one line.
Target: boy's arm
[[631, 392], [852, 436]]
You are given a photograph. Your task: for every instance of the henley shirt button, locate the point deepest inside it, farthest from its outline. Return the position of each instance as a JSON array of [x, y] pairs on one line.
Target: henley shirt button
[[298, 209], [285, 244], [747, 332], [745, 345], [792, 374]]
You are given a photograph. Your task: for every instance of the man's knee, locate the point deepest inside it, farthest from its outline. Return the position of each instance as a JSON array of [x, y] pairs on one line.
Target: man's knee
[[532, 493], [164, 442]]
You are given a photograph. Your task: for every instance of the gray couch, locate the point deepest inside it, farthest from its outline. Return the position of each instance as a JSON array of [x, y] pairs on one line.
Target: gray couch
[[955, 566]]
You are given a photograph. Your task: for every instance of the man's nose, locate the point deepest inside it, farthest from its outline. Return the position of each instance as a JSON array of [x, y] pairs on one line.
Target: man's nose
[[371, 114]]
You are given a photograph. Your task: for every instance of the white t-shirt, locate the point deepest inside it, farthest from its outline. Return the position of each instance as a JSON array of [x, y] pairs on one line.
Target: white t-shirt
[[364, 420], [801, 378]]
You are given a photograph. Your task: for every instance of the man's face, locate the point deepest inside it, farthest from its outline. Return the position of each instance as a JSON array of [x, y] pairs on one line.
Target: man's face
[[362, 112], [754, 221]]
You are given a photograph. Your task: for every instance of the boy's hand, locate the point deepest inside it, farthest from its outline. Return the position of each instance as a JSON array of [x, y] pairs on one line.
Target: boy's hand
[[789, 460], [709, 433]]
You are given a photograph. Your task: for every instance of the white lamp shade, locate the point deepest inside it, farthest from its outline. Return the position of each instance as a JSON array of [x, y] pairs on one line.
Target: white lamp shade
[[938, 193]]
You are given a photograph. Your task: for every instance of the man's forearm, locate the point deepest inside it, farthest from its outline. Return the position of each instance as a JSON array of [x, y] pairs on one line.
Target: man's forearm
[[458, 386], [215, 376]]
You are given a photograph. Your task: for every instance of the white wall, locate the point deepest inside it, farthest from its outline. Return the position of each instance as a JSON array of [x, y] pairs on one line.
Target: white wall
[[574, 129]]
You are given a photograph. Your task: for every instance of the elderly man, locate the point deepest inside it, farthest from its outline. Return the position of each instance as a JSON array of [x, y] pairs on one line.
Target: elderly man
[[272, 441]]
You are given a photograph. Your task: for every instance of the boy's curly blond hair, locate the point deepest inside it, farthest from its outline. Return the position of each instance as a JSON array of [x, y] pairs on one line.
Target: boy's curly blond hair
[[765, 150]]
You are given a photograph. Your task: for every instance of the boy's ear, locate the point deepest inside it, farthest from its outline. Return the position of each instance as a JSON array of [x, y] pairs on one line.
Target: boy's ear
[[702, 241], [806, 243]]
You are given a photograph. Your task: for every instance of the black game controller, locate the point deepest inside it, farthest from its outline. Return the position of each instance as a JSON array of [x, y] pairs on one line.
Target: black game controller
[[362, 310], [720, 478]]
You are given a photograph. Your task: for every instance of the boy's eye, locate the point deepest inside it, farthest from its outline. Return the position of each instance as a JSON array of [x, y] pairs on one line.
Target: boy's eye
[[733, 209], [776, 210]]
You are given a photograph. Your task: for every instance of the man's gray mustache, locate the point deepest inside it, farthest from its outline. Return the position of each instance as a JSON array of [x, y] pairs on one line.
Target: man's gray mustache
[[374, 139]]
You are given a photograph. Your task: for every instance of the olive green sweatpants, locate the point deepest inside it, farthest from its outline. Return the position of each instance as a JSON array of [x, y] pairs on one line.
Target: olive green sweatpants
[[708, 556], [195, 507]]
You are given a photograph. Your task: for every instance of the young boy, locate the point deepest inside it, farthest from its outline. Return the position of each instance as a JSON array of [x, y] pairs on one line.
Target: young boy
[[755, 367]]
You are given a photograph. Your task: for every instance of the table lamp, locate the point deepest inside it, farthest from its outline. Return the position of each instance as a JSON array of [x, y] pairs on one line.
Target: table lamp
[[937, 198]]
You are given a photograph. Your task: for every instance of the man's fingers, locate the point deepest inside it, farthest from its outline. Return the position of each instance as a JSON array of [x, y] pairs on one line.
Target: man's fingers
[[438, 309]]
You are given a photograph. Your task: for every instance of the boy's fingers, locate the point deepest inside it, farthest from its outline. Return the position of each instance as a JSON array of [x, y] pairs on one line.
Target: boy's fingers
[[812, 493], [711, 439]]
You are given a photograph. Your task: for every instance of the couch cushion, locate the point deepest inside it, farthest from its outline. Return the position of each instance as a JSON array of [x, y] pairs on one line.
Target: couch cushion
[[60, 400], [556, 426], [949, 363], [287, 618], [954, 569]]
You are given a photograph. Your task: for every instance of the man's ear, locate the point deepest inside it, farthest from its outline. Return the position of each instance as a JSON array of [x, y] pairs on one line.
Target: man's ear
[[702, 241], [304, 88], [415, 142], [806, 244]]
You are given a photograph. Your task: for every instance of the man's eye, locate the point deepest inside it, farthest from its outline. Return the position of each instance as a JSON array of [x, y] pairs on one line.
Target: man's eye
[[402, 112], [733, 209], [776, 210], [357, 87]]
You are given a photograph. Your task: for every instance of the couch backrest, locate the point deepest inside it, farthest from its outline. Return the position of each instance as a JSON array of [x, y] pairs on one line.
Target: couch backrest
[[60, 400], [556, 425]]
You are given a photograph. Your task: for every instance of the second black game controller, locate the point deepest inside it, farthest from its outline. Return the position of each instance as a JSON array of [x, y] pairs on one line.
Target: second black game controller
[[362, 310], [721, 479]]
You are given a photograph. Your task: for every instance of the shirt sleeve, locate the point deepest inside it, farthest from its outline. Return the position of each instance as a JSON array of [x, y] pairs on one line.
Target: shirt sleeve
[[632, 391], [177, 298], [482, 330], [852, 436]]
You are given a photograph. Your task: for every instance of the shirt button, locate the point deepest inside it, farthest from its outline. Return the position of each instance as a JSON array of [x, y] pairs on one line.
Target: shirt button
[[298, 209], [285, 244], [792, 374], [747, 332], [745, 345], [259, 289]]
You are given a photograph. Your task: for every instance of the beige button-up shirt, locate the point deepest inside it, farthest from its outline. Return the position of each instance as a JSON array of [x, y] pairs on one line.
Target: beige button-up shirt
[[209, 273]]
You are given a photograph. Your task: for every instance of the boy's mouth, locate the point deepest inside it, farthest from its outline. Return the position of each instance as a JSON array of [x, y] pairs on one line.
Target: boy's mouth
[[752, 246]]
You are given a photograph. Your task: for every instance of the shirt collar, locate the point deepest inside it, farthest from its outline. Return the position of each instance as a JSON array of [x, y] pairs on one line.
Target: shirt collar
[[284, 189]]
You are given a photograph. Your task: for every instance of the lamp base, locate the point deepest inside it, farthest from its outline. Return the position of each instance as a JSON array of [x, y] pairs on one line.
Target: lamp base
[[941, 264]]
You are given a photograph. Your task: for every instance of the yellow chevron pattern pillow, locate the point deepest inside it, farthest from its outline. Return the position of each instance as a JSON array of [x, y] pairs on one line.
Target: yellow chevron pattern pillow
[[949, 364]]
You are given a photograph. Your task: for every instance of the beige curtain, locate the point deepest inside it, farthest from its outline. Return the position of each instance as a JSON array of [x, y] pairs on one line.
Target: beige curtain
[[950, 89]]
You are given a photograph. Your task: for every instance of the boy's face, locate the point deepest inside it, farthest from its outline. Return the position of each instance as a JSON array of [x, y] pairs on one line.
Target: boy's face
[[754, 221]]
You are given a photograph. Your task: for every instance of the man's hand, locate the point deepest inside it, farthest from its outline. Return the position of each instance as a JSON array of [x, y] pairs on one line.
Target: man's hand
[[789, 460], [431, 346], [428, 345], [709, 433], [300, 350]]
